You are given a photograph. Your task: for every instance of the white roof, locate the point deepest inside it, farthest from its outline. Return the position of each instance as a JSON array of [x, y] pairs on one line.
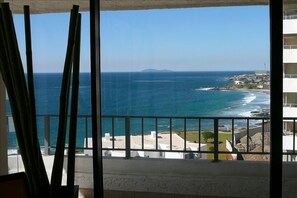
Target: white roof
[[149, 142]]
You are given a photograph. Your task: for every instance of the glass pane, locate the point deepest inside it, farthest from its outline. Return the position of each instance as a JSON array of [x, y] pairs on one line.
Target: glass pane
[[182, 71]]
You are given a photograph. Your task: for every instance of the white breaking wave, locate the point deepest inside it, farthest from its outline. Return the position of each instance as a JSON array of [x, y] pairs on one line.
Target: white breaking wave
[[250, 102], [205, 88], [264, 100], [248, 99], [245, 114]]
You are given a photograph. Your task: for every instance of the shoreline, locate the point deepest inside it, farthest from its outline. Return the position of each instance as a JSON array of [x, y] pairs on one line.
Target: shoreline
[[267, 91], [239, 89], [258, 82]]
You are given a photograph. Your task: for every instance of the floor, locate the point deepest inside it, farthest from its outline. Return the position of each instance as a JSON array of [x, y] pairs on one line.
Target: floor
[[88, 193]]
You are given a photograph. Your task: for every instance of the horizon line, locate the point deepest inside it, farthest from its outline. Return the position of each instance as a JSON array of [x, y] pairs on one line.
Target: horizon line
[[159, 71]]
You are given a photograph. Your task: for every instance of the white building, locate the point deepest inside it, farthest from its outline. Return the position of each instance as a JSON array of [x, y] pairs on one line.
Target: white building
[[290, 65], [163, 149]]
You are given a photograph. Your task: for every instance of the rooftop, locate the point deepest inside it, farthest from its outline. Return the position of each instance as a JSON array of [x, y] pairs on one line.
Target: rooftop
[[148, 142]]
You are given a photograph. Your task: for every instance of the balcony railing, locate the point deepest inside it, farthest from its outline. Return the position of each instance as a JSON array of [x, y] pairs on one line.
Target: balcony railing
[[290, 16], [290, 75], [290, 104], [290, 46], [212, 138]]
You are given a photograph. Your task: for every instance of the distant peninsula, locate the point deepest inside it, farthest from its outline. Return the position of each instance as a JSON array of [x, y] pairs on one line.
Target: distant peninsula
[[156, 70], [259, 81]]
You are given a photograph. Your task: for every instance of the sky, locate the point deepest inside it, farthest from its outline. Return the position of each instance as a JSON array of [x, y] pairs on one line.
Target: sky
[[195, 39]]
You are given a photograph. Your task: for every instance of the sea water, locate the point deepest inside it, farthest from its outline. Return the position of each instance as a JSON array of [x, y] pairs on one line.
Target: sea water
[[168, 94]]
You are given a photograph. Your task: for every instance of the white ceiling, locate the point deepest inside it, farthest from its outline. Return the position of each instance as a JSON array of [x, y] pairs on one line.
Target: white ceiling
[[47, 6]]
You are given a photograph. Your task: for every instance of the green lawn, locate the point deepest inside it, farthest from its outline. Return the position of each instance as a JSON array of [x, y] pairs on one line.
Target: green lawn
[[193, 136]]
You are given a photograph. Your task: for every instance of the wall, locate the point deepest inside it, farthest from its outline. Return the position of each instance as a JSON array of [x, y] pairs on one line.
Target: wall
[[289, 85], [290, 112], [290, 55], [252, 131], [199, 177], [189, 177], [290, 26]]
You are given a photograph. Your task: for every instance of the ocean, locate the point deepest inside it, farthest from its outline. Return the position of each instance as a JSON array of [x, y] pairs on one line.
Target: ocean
[[147, 94], [176, 94]]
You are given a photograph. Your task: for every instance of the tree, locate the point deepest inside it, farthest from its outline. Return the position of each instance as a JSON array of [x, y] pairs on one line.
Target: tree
[[207, 135]]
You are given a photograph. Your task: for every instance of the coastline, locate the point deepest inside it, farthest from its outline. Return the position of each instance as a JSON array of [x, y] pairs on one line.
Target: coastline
[[227, 88], [258, 82], [267, 91], [253, 113]]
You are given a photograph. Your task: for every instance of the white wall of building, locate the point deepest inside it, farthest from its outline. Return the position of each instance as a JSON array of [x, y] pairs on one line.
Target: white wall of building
[[290, 66], [290, 112], [290, 26], [289, 85], [290, 55]]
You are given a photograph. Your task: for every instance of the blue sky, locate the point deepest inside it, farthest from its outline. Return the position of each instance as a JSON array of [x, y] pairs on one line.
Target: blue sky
[[197, 39], [49, 41]]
